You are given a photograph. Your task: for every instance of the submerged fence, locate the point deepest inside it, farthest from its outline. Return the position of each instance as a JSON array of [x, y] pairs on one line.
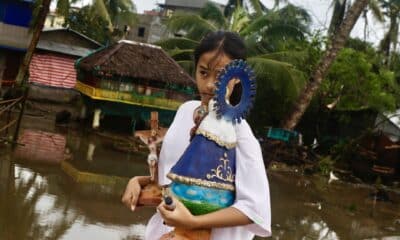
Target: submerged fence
[[7, 121]]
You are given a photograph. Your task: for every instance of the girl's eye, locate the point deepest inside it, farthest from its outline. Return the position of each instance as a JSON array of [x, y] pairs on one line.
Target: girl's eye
[[203, 73]]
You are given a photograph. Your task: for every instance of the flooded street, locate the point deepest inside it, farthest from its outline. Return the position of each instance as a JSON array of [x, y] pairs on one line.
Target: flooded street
[[80, 198]]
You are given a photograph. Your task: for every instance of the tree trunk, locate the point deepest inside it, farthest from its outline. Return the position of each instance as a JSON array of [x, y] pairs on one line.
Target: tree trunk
[[36, 31], [337, 16], [321, 70]]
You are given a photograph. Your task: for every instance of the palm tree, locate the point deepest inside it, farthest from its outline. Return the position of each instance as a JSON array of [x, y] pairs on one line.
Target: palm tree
[[263, 34], [116, 12], [257, 6], [339, 11], [321, 70], [390, 40]]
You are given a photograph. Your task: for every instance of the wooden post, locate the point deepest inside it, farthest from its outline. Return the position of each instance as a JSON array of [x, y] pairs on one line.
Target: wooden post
[[96, 118], [154, 121], [2, 68], [21, 113], [36, 31]]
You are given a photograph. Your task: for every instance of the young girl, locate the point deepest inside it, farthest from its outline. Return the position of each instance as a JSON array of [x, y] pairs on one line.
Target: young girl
[[250, 213]]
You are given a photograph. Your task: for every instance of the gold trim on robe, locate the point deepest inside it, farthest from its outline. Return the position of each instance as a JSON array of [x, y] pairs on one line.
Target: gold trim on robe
[[216, 139], [200, 182]]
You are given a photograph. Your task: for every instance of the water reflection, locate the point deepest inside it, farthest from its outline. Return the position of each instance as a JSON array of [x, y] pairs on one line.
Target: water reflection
[[41, 146], [40, 201], [38, 204], [26, 209], [309, 208]]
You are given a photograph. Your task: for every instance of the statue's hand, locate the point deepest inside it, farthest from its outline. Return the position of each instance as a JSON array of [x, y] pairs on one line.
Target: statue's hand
[[179, 217]]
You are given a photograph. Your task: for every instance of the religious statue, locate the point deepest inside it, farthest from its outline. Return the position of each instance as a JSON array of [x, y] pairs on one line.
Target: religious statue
[[203, 179], [151, 194]]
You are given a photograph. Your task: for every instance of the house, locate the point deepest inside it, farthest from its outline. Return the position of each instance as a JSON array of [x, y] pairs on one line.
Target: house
[[130, 80], [56, 20], [389, 124], [149, 28], [15, 17], [52, 74], [378, 153], [171, 6]]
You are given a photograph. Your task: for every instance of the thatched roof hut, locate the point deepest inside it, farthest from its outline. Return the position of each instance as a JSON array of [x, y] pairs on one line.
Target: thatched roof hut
[[135, 60]]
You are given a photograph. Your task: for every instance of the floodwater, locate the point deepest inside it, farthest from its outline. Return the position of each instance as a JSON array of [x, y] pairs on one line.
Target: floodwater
[[40, 199]]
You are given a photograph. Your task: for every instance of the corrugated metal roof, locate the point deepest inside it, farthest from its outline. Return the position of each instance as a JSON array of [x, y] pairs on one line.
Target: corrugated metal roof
[[73, 31], [394, 117], [63, 48]]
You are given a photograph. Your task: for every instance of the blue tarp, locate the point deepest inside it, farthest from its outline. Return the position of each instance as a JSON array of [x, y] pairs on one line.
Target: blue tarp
[[17, 13]]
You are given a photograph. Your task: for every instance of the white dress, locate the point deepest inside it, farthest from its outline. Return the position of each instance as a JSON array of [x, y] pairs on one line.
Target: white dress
[[252, 189]]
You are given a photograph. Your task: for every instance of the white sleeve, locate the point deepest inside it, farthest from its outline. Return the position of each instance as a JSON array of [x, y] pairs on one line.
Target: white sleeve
[[176, 140], [252, 188]]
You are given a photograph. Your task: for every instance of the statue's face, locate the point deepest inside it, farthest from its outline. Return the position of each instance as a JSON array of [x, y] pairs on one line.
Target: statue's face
[[208, 67]]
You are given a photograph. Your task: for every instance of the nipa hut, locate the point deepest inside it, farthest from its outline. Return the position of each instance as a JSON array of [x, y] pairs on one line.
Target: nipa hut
[[129, 80]]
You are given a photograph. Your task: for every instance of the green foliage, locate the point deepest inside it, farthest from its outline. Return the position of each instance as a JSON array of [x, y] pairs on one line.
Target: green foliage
[[178, 43], [361, 46], [343, 150], [256, 5], [280, 75], [356, 85], [325, 165], [395, 67], [352, 208], [90, 24], [181, 55], [212, 12], [278, 85], [116, 12]]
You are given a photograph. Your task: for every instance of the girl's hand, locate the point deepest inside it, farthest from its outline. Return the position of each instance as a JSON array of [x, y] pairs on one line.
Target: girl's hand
[[132, 193], [179, 217]]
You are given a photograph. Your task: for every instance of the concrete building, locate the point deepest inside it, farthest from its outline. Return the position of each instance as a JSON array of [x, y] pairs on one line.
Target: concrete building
[[171, 6], [149, 28], [54, 20], [15, 17]]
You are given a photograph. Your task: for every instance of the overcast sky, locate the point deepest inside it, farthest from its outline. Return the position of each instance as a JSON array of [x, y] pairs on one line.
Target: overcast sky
[[320, 11]]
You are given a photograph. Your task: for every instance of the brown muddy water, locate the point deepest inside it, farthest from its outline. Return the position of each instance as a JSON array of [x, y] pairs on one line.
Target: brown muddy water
[[41, 198]]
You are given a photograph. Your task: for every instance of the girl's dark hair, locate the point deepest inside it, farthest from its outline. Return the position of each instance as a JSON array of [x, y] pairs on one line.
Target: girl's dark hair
[[229, 43]]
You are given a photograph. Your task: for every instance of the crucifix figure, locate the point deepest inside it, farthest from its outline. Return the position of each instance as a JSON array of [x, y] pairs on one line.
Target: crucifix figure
[[151, 194]]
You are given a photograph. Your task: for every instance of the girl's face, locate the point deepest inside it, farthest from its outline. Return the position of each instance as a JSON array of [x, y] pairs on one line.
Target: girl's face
[[209, 65]]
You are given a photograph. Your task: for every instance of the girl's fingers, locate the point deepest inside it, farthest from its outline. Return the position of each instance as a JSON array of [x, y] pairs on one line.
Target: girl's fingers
[[126, 198], [134, 200], [131, 194], [164, 212]]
